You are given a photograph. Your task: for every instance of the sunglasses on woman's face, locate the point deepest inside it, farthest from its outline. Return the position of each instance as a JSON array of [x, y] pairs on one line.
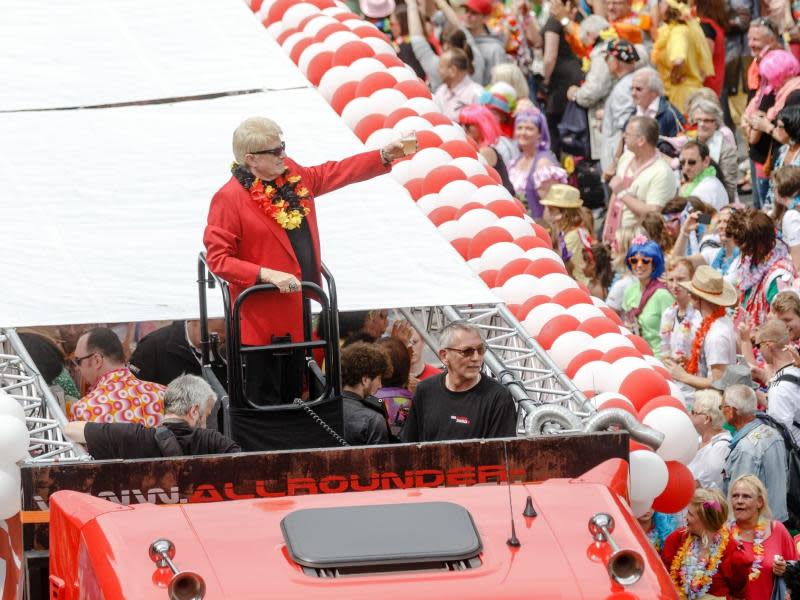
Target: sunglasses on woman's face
[[640, 260]]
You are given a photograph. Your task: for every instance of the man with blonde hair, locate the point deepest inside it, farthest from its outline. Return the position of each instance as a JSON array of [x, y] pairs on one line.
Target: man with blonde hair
[[786, 307], [783, 397], [715, 441], [756, 448]]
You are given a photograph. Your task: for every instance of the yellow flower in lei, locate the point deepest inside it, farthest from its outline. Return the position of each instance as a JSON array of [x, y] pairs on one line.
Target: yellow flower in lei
[[759, 534], [691, 577]]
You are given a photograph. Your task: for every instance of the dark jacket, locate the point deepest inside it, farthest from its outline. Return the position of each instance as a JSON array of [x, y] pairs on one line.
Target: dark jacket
[[364, 420], [670, 120]]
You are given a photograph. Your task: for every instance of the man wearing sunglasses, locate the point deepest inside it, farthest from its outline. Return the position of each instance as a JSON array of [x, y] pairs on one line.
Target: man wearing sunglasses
[[700, 177], [462, 403]]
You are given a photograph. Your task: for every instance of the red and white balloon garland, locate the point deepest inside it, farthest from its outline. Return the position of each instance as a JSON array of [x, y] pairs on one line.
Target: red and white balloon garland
[[356, 69]]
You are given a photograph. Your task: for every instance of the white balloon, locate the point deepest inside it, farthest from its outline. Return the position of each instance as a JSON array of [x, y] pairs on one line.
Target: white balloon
[[319, 22], [449, 230], [540, 315], [307, 55], [609, 341], [482, 159], [275, 30], [518, 288], [290, 42], [378, 139], [624, 330], [333, 79], [401, 172], [470, 166], [356, 109], [598, 302], [427, 159], [421, 105], [474, 221], [553, 283], [598, 400], [379, 46], [408, 124], [566, 346], [649, 475], [366, 66], [653, 361], [516, 226], [676, 392], [261, 13], [10, 495], [429, 203], [332, 11], [385, 101], [583, 312], [500, 254], [457, 193], [338, 39], [14, 440], [11, 407], [629, 364], [354, 23], [680, 437], [639, 509], [402, 73], [588, 377], [298, 12], [475, 264], [536, 253], [489, 193], [448, 133]]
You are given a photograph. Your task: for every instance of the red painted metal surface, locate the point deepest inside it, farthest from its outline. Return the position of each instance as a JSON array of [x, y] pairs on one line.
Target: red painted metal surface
[[238, 548]]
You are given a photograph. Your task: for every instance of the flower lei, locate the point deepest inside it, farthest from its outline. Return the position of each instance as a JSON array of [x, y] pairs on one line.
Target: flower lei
[[655, 539], [699, 338], [751, 276], [692, 577], [759, 535], [285, 199]]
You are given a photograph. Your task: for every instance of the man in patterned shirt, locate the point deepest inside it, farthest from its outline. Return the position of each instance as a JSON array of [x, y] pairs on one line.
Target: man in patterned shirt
[[116, 396]]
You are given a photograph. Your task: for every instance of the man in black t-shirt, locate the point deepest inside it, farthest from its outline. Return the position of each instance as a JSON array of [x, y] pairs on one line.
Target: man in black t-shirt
[[187, 404], [461, 403]]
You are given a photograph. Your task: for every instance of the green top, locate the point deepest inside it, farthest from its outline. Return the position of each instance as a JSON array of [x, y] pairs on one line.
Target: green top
[[650, 318], [66, 383]]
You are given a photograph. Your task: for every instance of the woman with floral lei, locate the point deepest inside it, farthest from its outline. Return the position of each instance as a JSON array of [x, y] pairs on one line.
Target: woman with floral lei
[[766, 267], [703, 560], [262, 228], [714, 343], [766, 541]]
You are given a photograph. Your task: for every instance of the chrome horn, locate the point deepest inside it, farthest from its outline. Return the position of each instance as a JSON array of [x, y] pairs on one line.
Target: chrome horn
[[184, 585], [624, 566]]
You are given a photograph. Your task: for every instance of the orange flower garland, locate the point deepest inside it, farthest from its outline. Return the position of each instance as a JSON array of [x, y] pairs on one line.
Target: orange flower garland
[[285, 199], [759, 533], [700, 337]]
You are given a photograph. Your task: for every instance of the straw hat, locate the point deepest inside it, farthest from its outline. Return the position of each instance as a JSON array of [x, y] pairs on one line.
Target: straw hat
[[709, 284], [561, 195], [376, 9]]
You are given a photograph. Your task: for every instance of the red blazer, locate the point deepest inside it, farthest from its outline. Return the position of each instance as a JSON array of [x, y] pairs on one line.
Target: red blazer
[[240, 239]]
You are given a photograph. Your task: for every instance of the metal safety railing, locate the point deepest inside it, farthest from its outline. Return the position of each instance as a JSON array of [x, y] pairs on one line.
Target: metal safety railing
[[44, 416]]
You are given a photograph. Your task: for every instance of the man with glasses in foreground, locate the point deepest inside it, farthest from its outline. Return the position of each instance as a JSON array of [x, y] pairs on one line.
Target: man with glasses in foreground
[[462, 403], [116, 396]]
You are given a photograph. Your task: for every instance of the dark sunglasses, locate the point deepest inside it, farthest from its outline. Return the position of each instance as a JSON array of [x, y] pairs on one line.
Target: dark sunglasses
[[273, 151], [635, 260], [688, 161], [470, 351], [78, 360]]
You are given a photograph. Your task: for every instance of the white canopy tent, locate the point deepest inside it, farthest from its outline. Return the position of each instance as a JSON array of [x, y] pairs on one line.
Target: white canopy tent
[[102, 210]]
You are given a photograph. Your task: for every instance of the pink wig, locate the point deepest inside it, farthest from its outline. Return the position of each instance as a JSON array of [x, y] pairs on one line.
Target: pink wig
[[480, 116], [776, 68]]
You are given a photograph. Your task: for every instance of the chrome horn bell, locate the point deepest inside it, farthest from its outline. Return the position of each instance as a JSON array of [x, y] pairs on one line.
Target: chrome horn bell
[[625, 566]]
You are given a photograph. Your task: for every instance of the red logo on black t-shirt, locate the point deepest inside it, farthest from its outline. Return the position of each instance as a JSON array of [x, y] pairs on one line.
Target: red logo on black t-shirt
[[460, 420]]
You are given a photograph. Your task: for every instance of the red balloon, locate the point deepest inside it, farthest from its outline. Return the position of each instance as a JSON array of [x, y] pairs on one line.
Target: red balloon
[[374, 82], [505, 208], [413, 88], [394, 117], [481, 179], [389, 60], [640, 344], [442, 214], [633, 445], [459, 149], [367, 31], [664, 373], [596, 325], [298, 48], [255, 5], [439, 177], [468, 207], [545, 266], [436, 118], [617, 403], [485, 238], [428, 139], [345, 16], [367, 126], [322, 4], [530, 304], [530, 241], [277, 10], [414, 187], [492, 172], [318, 66], [350, 52], [329, 29], [679, 491], [567, 298], [284, 35], [555, 328], [581, 359], [615, 354], [611, 314], [489, 277], [343, 96], [658, 403], [511, 268], [642, 385], [306, 20], [540, 231], [461, 245]]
